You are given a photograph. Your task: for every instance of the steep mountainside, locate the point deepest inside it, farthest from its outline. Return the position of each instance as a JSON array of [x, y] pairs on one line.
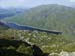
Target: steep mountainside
[[52, 17]]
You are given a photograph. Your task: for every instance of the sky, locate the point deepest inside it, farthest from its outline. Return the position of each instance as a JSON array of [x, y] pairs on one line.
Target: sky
[[72, 0], [32, 3]]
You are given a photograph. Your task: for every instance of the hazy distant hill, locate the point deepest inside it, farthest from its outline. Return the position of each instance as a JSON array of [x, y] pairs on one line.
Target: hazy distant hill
[[52, 17], [7, 12]]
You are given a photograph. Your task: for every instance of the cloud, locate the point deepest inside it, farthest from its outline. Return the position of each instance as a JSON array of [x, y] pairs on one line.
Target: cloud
[[13, 3], [72, 0], [30, 3]]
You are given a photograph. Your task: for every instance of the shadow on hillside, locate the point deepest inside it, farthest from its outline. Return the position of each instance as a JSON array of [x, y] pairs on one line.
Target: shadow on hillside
[[10, 52], [5, 52], [16, 43]]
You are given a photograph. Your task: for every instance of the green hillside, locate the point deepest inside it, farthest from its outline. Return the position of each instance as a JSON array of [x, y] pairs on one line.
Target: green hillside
[[52, 17]]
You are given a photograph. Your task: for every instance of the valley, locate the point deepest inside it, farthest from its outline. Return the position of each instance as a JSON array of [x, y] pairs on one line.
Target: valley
[[33, 32]]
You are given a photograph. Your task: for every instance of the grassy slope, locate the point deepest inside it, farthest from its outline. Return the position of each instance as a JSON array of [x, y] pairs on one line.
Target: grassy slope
[[47, 42]]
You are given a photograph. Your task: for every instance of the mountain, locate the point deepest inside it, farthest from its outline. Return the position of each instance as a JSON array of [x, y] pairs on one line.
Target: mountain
[[8, 12], [51, 17], [33, 43]]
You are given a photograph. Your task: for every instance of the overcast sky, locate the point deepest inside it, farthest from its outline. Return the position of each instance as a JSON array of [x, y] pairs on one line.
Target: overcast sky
[[32, 3]]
